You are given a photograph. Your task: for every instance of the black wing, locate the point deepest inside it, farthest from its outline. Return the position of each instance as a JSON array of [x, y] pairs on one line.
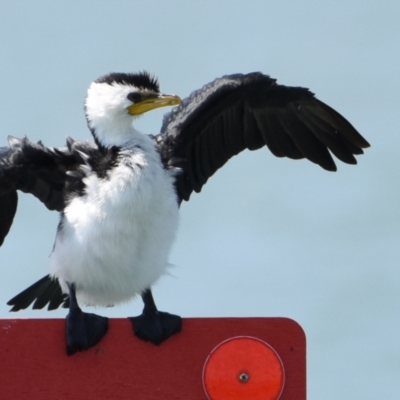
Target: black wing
[[50, 174], [8, 200], [239, 112]]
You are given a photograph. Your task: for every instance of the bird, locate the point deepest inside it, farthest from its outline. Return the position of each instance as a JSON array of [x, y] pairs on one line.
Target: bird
[[119, 195]]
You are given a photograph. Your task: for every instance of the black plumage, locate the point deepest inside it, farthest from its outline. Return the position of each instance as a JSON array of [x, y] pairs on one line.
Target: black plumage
[[225, 117], [239, 112], [142, 80]]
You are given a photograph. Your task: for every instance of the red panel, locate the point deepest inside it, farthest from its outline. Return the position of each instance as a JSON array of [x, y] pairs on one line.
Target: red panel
[[34, 365]]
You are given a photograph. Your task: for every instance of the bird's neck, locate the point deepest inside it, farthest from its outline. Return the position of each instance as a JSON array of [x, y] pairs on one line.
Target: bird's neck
[[114, 133]]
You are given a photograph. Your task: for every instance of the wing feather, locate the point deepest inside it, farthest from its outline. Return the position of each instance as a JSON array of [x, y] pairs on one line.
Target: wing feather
[[238, 112], [50, 174]]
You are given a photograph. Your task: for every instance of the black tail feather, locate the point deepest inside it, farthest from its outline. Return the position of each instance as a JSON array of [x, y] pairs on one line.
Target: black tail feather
[[45, 291]]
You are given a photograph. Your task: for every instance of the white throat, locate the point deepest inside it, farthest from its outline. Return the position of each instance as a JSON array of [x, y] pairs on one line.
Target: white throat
[[114, 133]]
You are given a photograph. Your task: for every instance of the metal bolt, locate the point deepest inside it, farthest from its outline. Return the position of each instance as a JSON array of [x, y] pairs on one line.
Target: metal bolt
[[244, 377]]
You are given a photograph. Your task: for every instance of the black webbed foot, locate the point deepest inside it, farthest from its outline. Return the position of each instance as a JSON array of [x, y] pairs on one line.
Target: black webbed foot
[[156, 327], [83, 330], [153, 325]]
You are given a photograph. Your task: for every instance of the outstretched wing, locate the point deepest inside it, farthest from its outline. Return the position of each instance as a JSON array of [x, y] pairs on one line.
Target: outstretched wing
[[50, 174], [238, 112], [31, 168]]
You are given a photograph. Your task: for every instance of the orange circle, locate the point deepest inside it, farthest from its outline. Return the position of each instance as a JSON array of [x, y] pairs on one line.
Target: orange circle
[[243, 368]]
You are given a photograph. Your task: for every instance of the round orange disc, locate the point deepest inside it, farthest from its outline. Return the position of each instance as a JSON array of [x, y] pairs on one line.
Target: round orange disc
[[243, 368]]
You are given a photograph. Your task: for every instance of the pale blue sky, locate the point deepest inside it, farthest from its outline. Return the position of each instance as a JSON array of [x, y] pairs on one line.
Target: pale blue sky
[[267, 236]]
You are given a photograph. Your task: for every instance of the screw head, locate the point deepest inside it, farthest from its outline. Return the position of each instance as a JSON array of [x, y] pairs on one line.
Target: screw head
[[244, 377]]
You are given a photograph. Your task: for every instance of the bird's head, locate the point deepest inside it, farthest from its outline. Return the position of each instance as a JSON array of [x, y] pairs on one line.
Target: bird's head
[[114, 100]]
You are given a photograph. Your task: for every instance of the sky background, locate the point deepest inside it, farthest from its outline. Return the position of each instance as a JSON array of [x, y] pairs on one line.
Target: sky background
[[267, 236]]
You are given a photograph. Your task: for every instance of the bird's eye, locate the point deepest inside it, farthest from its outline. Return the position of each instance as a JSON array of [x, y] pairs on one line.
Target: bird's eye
[[134, 97]]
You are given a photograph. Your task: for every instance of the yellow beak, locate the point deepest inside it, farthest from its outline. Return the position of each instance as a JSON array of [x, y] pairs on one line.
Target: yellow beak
[[152, 101]]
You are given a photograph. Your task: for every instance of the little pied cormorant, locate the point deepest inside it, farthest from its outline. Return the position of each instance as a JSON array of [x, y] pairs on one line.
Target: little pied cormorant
[[119, 196]]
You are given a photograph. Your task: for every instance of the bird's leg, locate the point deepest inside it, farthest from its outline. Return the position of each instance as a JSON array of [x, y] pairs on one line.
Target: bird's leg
[[83, 330], [153, 325]]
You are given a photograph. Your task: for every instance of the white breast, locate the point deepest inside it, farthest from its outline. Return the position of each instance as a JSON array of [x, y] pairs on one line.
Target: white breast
[[115, 240]]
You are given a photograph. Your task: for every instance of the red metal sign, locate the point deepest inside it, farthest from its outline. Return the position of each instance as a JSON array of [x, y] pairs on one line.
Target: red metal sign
[[221, 358]]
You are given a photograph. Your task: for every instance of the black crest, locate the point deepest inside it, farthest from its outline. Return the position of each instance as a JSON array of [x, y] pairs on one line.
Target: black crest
[[141, 80]]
